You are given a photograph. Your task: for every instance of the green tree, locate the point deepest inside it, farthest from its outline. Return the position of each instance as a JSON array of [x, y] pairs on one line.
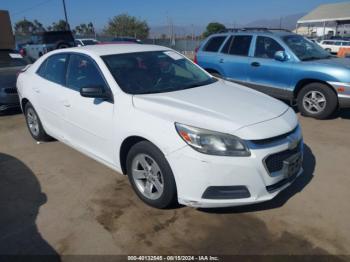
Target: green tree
[[61, 25], [213, 28], [85, 29], [38, 27], [126, 25], [24, 27]]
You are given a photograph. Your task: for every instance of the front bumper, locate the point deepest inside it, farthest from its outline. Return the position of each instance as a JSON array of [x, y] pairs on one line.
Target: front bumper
[[8, 99], [343, 91], [195, 173]]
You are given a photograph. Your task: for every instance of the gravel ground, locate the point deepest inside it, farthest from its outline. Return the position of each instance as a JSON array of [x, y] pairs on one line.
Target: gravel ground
[[55, 200]]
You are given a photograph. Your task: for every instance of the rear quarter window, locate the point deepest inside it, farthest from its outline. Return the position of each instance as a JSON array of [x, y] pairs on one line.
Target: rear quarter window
[[214, 44], [54, 68]]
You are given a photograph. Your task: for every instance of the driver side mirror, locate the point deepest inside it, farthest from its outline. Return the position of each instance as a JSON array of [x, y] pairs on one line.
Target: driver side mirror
[[95, 92], [281, 56]]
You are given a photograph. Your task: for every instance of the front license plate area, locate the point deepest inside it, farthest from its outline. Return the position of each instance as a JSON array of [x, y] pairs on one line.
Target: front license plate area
[[292, 165]]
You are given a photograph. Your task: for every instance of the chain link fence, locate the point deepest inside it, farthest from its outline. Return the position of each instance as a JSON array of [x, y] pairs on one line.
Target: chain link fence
[[184, 46]]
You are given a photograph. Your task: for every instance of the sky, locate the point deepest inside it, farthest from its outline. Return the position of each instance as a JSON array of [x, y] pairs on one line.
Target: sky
[[158, 12]]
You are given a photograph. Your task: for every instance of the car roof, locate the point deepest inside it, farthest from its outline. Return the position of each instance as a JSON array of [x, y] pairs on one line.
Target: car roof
[[335, 40], [278, 33], [112, 49]]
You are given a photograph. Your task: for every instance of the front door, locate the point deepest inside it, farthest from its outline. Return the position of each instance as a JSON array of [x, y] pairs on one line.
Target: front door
[[88, 121], [265, 73]]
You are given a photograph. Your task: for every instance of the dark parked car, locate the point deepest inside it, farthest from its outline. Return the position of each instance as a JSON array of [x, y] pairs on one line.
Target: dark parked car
[[11, 63]]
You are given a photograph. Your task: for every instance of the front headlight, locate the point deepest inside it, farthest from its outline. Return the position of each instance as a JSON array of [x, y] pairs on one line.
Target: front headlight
[[212, 143]]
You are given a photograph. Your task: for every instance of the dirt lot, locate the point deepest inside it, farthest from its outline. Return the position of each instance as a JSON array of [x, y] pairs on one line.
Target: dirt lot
[[56, 200]]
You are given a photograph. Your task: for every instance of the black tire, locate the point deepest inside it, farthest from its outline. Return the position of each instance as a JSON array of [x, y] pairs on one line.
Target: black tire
[[62, 45], [331, 100], [168, 198], [215, 74], [40, 135]]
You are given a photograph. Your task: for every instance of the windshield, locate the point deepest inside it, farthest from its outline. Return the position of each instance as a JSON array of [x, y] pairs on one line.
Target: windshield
[[11, 59], [305, 49], [155, 72]]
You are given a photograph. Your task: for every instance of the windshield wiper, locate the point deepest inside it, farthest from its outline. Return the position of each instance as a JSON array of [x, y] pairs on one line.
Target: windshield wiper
[[208, 82]]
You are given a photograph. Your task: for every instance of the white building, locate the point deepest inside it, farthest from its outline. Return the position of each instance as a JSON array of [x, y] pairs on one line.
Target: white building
[[326, 20]]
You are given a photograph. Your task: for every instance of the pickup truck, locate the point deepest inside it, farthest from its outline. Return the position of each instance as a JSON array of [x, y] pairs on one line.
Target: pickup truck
[[45, 42]]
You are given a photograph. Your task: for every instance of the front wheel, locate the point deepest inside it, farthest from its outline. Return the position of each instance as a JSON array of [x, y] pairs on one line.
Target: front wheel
[[216, 74], [317, 100], [151, 176]]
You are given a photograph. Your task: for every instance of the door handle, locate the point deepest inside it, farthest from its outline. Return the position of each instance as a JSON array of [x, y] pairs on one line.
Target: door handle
[[66, 103], [255, 64], [221, 61], [36, 90]]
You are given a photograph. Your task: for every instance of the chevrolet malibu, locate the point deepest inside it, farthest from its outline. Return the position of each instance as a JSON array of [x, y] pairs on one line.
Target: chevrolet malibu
[[179, 134]]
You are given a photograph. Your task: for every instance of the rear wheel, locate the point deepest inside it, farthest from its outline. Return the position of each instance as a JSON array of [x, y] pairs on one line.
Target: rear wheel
[[317, 100], [34, 124], [62, 45], [151, 176]]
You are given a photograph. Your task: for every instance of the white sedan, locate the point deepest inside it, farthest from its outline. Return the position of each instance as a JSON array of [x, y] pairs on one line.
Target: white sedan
[[179, 134]]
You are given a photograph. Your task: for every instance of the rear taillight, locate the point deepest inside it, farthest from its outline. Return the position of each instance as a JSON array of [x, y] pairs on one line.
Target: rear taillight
[[195, 55], [23, 52]]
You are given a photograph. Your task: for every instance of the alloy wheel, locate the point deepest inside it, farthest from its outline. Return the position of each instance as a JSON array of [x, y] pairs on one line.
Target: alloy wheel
[[314, 102], [147, 176], [33, 122]]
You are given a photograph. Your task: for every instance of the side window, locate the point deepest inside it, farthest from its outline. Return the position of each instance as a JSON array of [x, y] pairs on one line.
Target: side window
[[54, 68], [266, 47], [214, 43], [34, 39], [42, 69], [227, 45], [83, 72], [240, 45]]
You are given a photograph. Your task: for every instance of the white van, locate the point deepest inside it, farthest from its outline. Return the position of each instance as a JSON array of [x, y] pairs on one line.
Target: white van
[[333, 46]]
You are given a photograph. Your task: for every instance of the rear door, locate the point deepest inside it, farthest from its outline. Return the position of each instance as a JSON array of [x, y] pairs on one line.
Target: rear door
[[48, 87], [208, 57], [88, 122], [265, 73], [234, 57]]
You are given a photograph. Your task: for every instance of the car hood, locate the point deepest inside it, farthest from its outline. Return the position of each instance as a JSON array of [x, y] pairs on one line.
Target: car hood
[[338, 62], [222, 106]]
